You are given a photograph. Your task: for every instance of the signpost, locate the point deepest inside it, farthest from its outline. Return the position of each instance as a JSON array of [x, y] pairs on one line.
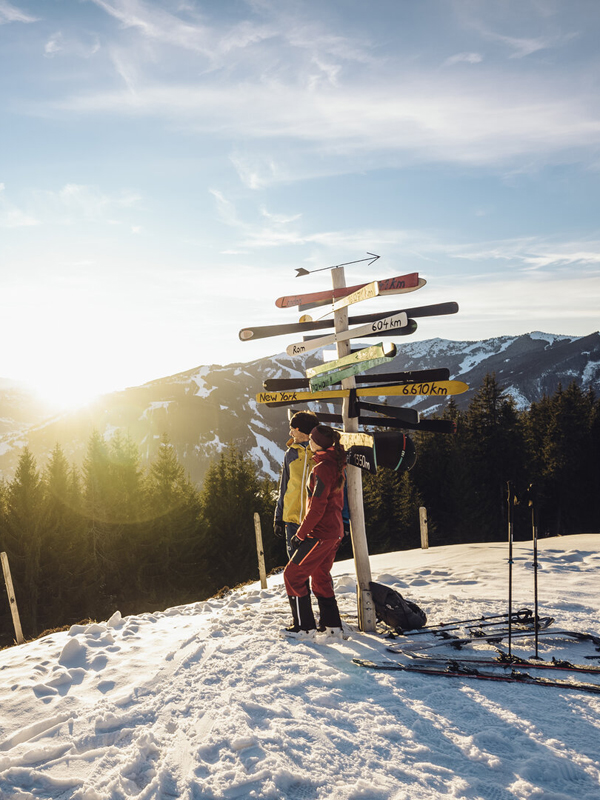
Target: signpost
[[401, 284], [321, 381], [431, 389], [367, 620], [386, 350], [392, 449], [343, 335], [367, 292]]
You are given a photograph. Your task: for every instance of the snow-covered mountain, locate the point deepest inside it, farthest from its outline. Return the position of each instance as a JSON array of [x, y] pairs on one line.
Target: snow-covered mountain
[[203, 409]]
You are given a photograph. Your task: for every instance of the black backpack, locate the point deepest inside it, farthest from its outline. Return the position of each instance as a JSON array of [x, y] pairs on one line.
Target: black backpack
[[394, 610]]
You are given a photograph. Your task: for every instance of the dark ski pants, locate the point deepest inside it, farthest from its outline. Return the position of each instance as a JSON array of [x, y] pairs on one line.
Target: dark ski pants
[[290, 532], [313, 559]]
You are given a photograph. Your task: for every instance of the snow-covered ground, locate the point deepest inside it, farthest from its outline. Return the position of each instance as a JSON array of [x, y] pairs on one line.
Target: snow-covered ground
[[209, 701]]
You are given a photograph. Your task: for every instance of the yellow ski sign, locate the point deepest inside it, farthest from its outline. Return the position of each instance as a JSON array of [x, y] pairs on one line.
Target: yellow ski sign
[[433, 388]]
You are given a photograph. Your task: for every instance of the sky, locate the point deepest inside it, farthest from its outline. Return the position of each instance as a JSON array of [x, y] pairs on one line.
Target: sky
[[209, 701], [166, 166]]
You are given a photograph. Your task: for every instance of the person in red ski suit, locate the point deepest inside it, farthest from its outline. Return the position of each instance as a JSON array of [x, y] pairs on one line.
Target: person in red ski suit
[[318, 538]]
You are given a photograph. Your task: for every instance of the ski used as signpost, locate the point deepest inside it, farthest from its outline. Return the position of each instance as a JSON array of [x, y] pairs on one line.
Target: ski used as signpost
[[330, 378], [460, 671], [407, 330], [399, 422], [413, 376], [265, 331], [367, 292], [393, 323], [433, 389], [381, 350], [397, 285], [390, 449]]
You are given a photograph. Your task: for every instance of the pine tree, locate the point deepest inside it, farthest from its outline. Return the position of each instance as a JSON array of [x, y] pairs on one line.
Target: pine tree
[[170, 568], [495, 444], [24, 534], [232, 492], [442, 478], [64, 555], [568, 458]]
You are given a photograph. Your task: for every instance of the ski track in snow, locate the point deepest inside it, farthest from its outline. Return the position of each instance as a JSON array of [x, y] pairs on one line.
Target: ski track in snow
[[210, 701]]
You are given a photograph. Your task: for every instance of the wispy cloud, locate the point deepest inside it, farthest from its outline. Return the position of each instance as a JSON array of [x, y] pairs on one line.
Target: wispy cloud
[[535, 256], [427, 119], [191, 33], [10, 13], [463, 58], [11, 216], [72, 202], [505, 24], [59, 44]]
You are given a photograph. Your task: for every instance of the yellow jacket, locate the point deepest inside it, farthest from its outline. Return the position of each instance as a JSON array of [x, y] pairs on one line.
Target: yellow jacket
[[297, 466]]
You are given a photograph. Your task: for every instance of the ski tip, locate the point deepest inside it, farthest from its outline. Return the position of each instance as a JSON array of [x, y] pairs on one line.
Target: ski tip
[[246, 334]]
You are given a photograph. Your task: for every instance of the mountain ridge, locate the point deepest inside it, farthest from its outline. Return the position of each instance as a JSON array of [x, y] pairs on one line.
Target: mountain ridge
[[206, 407]]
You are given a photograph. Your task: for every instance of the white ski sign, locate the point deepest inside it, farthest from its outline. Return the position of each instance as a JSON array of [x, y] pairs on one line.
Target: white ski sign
[[386, 324]]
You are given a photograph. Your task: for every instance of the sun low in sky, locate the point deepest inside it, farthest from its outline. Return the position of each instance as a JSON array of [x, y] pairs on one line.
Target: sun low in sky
[[165, 167]]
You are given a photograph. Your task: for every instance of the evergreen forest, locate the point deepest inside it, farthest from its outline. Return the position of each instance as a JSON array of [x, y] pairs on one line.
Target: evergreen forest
[[84, 542]]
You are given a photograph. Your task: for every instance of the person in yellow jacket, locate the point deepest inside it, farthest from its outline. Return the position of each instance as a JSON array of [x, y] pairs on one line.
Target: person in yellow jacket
[[297, 466]]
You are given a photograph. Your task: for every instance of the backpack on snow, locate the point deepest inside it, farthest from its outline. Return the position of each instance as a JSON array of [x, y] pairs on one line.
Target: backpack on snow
[[394, 610]]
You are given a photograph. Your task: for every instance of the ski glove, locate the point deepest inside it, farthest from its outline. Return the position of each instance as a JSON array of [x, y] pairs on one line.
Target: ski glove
[[279, 529], [295, 542]]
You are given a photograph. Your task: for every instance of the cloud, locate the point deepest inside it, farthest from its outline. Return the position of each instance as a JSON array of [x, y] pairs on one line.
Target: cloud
[[157, 24], [10, 13], [424, 119], [86, 201], [514, 18], [11, 216], [72, 202], [467, 58], [58, 44], [538, 257]]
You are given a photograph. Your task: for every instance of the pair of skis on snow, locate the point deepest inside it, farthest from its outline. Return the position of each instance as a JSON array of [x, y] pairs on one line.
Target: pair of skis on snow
[[456, 669], [505, 667]]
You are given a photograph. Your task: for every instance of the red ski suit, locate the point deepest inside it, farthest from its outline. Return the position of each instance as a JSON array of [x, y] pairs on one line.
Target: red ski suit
[[321, 530]]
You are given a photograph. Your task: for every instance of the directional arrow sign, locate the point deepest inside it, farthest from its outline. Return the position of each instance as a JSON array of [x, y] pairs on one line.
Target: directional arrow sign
[[397, 285], [410, 376], [366, 293], [386, 324], [321, 381], [434, 389], [430, 425], [264, 331], [387, 350], [390, 449]]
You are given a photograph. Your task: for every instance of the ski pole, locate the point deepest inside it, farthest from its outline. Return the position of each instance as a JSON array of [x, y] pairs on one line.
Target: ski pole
[[535, 567], [510, 563]]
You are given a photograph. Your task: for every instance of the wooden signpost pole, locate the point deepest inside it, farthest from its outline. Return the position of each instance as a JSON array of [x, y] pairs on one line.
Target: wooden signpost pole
[[11, 598], [366, 610]]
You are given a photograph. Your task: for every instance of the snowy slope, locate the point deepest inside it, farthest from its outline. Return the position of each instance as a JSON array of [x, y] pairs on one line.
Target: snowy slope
[[208, 701]]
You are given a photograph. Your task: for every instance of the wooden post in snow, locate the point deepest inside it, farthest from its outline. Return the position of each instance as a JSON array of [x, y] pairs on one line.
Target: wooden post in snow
[[366, 610], [424, 528], [261, 553], [11, 598]]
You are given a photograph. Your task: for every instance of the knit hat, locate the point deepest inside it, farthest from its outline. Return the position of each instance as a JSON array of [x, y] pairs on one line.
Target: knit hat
[[304, 421], [323, 436]]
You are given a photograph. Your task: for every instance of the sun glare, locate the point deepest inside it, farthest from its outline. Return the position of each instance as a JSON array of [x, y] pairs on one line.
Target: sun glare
[[60, 394]]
